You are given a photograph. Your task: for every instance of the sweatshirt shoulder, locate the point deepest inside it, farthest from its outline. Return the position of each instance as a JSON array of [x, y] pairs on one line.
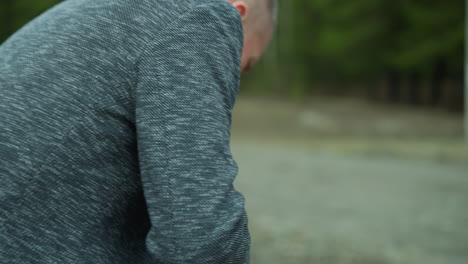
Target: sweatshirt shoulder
[[144, 20], [204, 14], [216, 19], [222, 7]]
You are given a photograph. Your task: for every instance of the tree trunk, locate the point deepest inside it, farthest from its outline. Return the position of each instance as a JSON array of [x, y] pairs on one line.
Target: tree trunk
[[440, 73], [414, 93], [393, 86]]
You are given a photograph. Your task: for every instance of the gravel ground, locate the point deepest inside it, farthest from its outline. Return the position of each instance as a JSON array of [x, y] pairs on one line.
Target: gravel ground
[[335, 181], [308, 207]]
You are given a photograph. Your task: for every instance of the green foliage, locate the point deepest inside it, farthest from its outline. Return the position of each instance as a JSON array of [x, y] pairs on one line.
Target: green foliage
[[434, 31], [15, 13], [347, 41]]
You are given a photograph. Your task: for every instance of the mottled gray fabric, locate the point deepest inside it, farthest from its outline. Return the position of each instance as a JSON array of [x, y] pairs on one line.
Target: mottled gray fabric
[[115, 135]]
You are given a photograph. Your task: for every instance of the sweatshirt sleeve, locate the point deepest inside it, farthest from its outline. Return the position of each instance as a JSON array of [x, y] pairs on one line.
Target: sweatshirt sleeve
[[188, 80]]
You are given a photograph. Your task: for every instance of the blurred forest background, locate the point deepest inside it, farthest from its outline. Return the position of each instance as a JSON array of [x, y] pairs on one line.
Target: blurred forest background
[[349, 133], [402, 51]]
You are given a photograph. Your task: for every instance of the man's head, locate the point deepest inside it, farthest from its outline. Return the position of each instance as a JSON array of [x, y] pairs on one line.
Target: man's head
[[258, 20]]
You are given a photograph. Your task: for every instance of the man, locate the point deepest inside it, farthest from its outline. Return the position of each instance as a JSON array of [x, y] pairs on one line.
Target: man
[[115, 128]]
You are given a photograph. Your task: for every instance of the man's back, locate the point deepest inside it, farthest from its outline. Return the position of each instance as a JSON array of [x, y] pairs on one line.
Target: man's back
[[114, 135]]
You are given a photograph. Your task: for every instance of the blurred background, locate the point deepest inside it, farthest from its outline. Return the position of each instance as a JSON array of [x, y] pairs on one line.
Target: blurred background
[[349, 132]]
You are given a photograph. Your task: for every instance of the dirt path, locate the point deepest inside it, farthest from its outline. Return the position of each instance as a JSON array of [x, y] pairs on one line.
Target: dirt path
[[309, 206]]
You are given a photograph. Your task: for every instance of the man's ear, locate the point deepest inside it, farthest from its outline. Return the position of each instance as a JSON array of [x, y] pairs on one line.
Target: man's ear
[[242, 7]]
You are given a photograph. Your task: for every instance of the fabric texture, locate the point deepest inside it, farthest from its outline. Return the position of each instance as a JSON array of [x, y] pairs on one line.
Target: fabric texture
[[115, 120]]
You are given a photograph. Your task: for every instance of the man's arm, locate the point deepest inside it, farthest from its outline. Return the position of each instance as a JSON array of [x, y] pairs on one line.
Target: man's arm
[[188, 81]]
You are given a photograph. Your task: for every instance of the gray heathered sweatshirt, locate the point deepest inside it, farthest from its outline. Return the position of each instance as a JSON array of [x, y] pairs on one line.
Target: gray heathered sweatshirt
[[115, 121]]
